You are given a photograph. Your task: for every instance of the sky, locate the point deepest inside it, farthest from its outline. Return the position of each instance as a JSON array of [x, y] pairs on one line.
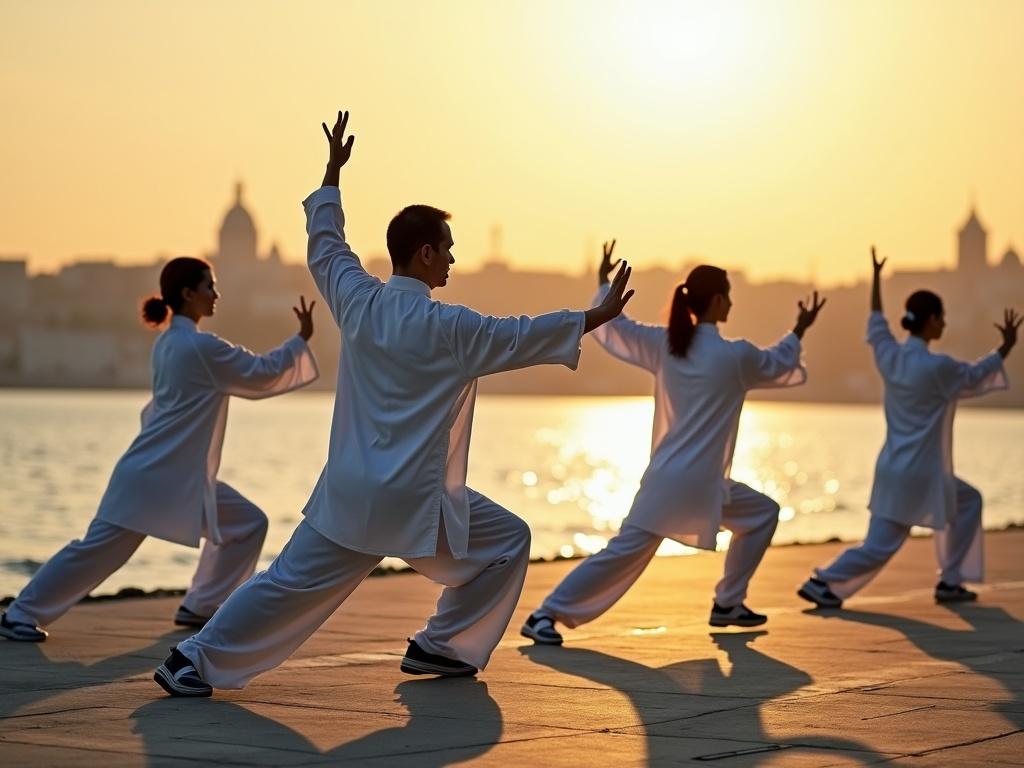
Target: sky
[[782, 138]]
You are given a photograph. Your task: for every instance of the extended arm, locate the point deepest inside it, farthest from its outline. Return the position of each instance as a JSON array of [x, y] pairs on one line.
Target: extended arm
[[236, 370], [335, 267]]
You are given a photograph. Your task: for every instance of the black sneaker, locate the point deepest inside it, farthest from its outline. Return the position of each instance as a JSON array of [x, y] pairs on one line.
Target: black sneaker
[[737, 615], [541, 629], [817, 591], [419, 662], [179, 677], [185, 618], [21, 631], [949, 593]]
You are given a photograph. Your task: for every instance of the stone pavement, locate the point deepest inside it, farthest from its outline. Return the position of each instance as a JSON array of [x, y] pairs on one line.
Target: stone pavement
[[893, 679]]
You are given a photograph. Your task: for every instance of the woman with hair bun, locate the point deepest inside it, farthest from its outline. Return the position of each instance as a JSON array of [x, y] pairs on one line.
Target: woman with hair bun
[[686, 494], [914, 481], [166, 484]]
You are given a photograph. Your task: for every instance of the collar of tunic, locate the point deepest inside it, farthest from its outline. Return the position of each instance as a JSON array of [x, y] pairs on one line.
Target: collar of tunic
[[710, 329], [403, 283], [917, 342], [185, 323]]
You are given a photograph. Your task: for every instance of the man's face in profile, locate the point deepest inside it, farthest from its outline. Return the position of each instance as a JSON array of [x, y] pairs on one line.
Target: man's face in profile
[[441, 259]]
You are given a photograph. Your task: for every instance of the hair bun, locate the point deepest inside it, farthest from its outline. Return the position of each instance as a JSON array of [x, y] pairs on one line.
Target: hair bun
[[154, 310]]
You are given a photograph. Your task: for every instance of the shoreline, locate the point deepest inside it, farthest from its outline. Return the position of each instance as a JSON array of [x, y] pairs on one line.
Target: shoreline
[[133, 593]]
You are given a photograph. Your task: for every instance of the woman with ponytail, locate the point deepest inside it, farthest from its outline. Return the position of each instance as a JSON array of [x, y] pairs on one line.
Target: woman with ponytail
[[914, 481], [166, 484], [686, 494]]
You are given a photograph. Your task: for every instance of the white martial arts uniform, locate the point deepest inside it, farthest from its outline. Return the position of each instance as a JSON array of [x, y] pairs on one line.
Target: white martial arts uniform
[[914, 481], [395, 479], [686, 493], [166, 484]]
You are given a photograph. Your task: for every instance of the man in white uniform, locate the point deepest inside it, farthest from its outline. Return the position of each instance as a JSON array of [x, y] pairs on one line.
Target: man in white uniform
[[394, 483]]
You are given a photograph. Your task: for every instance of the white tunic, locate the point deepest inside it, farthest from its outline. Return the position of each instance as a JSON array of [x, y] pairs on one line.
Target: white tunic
[[697, 403], [164, 486], [914, 483], [406, 389]]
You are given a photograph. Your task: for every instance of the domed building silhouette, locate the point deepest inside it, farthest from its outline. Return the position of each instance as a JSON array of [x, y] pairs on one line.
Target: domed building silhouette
[[236, 243]]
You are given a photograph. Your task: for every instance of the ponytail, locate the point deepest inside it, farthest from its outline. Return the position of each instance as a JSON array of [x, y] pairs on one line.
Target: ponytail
[[177, 275], [691, 300], [680, 324]]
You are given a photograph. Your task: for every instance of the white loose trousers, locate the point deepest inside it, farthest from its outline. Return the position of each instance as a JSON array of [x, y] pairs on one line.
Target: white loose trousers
[[597, 583], [857, 566], [83, 564], [271, 615]]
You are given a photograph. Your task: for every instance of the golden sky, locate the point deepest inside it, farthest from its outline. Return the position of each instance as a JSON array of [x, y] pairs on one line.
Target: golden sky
[[779, 137]]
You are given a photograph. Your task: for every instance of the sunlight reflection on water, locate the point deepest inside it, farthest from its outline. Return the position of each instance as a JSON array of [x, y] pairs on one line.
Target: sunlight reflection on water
[[568, 466]]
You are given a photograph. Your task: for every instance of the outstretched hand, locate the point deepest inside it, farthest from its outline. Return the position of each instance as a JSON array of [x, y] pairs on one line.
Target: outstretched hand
[[808, 314], [607, 265], [1011, 322], [305, 316], [614, 301], [340, 149]]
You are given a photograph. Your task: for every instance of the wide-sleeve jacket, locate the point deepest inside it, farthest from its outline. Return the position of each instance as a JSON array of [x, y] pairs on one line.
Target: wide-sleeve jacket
[[914, 482], [164, 485], [697, 404], [406, 389]]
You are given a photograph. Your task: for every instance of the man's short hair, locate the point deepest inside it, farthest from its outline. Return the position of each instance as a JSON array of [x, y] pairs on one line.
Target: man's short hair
[[413, 227]]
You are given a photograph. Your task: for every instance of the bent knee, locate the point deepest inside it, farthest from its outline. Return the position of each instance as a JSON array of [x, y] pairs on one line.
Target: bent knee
[[520, 534], [971, 498]]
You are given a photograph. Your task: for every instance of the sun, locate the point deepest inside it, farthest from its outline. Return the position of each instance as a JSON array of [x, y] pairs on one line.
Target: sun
[[672, 46]]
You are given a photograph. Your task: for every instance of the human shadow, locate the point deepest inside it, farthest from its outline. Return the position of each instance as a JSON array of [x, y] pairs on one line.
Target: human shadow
[[729, 707], [449, 721], [991, 647], [28, 676]]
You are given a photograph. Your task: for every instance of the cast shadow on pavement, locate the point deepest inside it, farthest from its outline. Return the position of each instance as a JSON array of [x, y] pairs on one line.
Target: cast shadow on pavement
[[755, 677], [992, 647], [449, 721]]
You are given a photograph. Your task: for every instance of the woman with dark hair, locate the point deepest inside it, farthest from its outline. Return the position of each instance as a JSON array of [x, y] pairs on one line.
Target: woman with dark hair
[[166, 484], [686, 494], [914, 481]]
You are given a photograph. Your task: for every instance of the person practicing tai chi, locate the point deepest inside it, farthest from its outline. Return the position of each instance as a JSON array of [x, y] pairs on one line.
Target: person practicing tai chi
[[914, 481], [700, 382], [166, 484], [395, 479]]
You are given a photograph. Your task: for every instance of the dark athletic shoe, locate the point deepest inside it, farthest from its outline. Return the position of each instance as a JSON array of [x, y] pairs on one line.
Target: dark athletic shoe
[[541, 629], [185, 618], [816, 591], [948, 593], [20, 631], [419, 662], [737, 615], [179, 677]]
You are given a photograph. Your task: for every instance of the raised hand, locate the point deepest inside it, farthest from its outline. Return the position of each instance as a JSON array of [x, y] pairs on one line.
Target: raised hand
[[876, 263], [614, 302], [876, 281], [808, 314], [340, 149], [1011, 322], [607, 265], [305, 316]]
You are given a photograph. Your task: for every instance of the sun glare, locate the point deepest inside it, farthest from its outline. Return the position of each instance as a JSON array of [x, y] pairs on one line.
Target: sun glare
[[671, 45]]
